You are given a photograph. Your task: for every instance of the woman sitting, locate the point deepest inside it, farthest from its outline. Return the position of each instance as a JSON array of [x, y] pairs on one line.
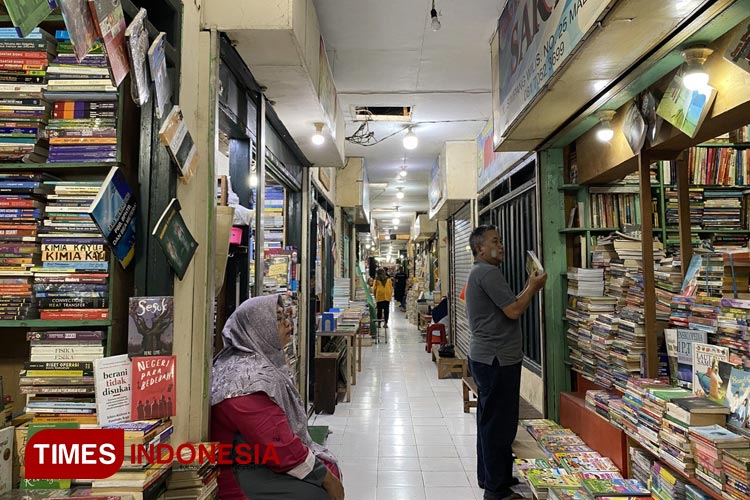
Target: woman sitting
[[255, 402]]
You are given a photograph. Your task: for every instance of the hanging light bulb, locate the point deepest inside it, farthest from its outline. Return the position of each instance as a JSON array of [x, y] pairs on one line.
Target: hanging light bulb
[[318, 138], [605, 132], [695, 76], [435, 24], [410, 140], [400, 194], [396, 221], [403, 171]]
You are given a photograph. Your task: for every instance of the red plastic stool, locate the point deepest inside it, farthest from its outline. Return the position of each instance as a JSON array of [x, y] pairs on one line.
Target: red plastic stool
[[431, 336]]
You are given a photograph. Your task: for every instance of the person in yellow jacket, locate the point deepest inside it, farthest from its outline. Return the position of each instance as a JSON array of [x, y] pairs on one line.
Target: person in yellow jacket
[[382, 289]]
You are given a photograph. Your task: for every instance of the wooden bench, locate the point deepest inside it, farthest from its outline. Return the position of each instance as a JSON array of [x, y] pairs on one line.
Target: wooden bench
[[448, 366], [470, 389]]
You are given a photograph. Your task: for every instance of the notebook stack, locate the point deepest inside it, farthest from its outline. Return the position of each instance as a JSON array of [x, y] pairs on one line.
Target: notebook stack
[[665, 484], [83, 126], [23, 110], [709, 444], [731, 328], [341, 292], [273, 216], [195, 481], [141, 475], [72, 283], [22, 199], [58, 379], [736, 466]]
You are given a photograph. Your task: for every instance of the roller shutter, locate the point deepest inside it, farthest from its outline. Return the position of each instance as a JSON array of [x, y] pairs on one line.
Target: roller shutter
[[460, 265]]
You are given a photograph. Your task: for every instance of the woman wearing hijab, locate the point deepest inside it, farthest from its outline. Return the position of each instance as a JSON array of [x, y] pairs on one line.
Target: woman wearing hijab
[[382, 289], [255, 401]]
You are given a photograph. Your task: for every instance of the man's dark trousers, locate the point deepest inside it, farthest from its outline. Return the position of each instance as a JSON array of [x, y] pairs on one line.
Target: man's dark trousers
[[497, 423]]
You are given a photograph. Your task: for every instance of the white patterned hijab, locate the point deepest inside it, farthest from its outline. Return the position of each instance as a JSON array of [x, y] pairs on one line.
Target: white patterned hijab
[[253, 361]]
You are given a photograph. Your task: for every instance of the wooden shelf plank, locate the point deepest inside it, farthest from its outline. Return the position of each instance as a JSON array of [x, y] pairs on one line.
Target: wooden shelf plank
[[47, 323], [573, 230]]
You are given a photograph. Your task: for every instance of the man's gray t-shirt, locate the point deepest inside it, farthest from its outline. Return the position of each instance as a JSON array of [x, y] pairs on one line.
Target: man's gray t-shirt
[[493, 334]]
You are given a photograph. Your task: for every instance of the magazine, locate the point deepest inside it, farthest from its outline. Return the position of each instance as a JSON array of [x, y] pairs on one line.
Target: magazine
[[113, 211], [157, 61], [738, 51], [175, 135], [27, 14], [109, 20], [136, 37], [112, 382], [685, 340], [175, 239], [706, 373], [738, 398], [80, 25], [533, 264]]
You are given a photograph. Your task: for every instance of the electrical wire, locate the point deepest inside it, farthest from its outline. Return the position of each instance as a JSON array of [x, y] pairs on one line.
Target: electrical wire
[[365, 137]]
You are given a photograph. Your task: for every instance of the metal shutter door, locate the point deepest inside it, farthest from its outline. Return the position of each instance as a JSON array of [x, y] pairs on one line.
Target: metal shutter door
[[461, 261]]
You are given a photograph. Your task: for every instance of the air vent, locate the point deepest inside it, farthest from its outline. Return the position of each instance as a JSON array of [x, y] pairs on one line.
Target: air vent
[[382, 113]]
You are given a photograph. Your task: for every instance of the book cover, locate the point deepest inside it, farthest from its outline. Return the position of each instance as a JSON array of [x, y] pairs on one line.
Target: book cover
[[686, 109], [634, 128], [685, 340], [150, 326], [615, 487], [136, 427], [533, 264], [46, 484], [6, 459], [707, 379], [715, 433], [27, 14], [738, 398], [547, 478], [175, 135], [175, 239], [112, 382], [109, 20], [80, 25], [568, 494], [700, 405], [136, 37], [113, 211], [157, 62], [738, 51], [154, 394]]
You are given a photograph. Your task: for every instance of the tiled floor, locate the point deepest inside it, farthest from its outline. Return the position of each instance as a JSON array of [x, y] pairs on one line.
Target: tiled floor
[[404, 435]]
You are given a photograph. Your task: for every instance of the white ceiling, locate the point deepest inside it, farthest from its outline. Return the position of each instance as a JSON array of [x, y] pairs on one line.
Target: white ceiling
[[383, 53]]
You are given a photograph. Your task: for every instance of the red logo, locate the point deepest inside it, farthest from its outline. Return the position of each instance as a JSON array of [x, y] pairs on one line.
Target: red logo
[[66, 454]]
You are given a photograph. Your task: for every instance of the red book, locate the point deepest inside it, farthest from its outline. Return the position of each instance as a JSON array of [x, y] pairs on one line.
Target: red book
[[77, 314], [154, 392], [24, 54]]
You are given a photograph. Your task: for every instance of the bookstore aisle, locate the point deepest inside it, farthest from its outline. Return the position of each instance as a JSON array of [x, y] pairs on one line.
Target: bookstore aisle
[[404, 435]]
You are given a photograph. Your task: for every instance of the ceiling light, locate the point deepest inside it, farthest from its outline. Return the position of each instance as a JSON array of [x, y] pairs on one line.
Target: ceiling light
[[368, 246], [318, 138], [400, 194], [396, 221], [605, 132], [403, 172], [410, 140], [695, 76], [435, 24], [253, 180]]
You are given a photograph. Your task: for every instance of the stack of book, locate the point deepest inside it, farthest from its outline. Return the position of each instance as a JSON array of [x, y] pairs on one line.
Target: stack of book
[[652, 412], [732, 329], [640, 464], [273, 216], [197, 480], [709, 443], [58, 379], [600, 401], [83, 126], [603, 336], [665, 484], [144, 476], [72, 283], [585, 282], [710, 280], [668, 281], [23, 110], [22, 199], [341, 292], [736, 466], [722, 209], [615, 488], [580, 324]]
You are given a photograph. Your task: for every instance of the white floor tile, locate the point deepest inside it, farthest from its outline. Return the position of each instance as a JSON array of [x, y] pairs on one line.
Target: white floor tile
[[440, 464], [399, 493], [437, 451], [448, 493], [388, 478]]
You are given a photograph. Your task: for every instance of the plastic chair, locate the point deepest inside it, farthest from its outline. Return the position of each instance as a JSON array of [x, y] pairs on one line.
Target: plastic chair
[[431, 336]]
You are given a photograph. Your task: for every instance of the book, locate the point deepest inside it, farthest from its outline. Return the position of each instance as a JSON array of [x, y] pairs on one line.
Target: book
[[707, 379], [738, 51], [150, 326], [27, 14], [113, 385], [109, 20], [80, 26], [6, 459], [175, 135], [738, 398], [533, 264], [154, 394], [113, 211], [718, 436], [46, 484], [136, 37], [686, 109], [615, 487], [175, 239], [157, 62]]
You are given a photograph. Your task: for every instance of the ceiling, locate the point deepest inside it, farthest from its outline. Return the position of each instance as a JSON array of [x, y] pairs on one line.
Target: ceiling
[[383, 53]]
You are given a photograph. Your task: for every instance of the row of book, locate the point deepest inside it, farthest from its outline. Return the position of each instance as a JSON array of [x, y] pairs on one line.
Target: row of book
[[713, 166], [273, 216]]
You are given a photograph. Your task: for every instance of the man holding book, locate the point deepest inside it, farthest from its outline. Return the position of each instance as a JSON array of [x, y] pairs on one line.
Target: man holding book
[[495, 357]]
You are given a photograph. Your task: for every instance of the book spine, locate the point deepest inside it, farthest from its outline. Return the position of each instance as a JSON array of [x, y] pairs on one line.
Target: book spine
[[73, 303], [60, 365], [83, 314]]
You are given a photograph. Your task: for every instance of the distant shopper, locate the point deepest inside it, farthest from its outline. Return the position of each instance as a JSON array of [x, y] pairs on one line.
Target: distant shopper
[[495, 356], [399, 287], [382, 289], [255, 401]]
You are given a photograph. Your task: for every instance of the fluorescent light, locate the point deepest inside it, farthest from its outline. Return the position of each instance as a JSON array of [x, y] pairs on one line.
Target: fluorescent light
[[410, 140], [435, 24], [396, 221], [318, 138]]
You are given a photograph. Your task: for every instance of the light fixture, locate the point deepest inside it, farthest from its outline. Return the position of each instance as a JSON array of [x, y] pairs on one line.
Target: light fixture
[[368, 246], [400, 194], [402, 173], [410, 140], [435, 24], [253, 180], [605, 132], [396, 221], [695, 76], [318, 138]]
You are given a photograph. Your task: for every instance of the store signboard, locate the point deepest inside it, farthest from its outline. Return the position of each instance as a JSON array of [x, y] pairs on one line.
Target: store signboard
[[327, 90], [533, 39], [490, 165], [435, 193]]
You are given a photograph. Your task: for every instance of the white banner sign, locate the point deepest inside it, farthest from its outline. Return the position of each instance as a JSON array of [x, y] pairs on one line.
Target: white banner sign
[[533, 39]]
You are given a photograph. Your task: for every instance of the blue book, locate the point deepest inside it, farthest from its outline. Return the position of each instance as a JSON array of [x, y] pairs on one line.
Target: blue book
[[113, 211]]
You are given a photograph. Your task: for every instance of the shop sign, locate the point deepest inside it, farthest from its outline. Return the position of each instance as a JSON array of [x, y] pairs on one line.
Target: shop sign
[[533, 39], [435, 193], [490, 165]]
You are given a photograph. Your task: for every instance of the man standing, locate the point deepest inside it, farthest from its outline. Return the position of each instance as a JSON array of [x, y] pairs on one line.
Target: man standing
[[495, 356], [399, 287]]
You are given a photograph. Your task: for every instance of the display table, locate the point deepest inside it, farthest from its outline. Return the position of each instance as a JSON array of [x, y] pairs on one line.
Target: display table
[[350, 337]]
